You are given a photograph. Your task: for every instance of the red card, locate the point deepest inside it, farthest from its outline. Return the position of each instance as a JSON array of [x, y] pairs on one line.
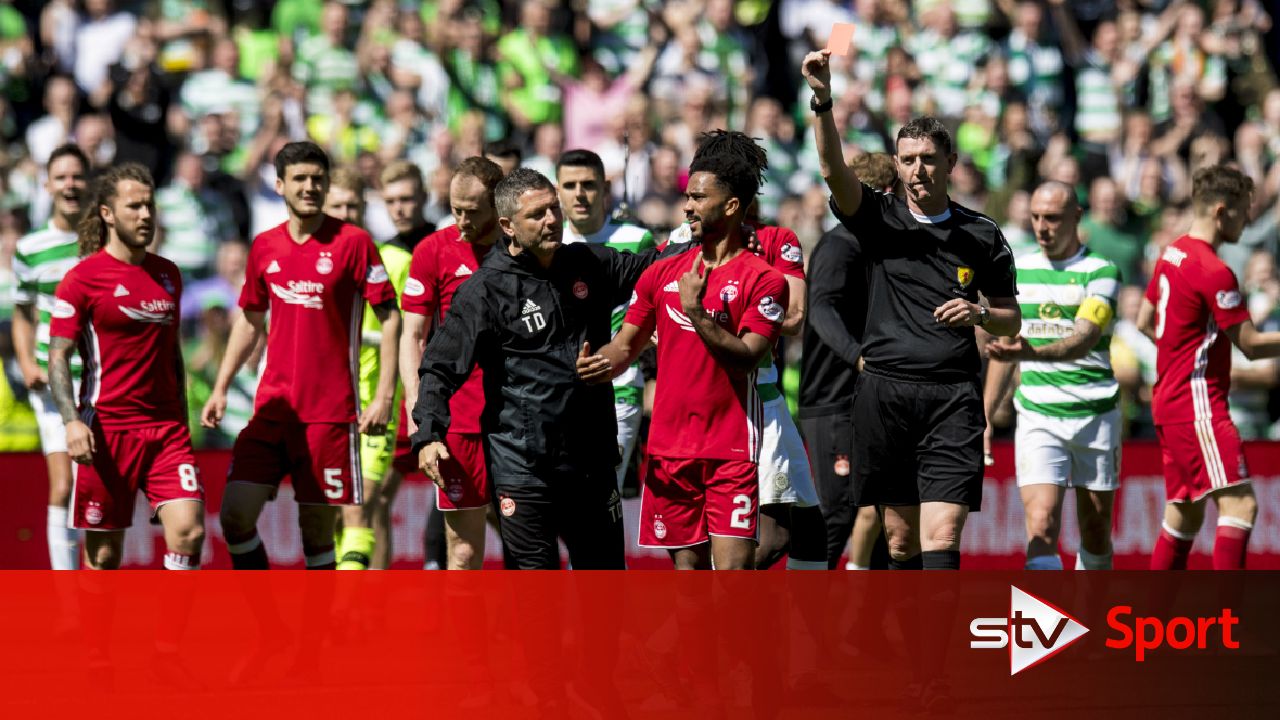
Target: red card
[[841, 38]]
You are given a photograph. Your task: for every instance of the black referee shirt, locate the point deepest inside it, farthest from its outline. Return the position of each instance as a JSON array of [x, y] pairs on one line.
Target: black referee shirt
[[917, 264], [835, 312]]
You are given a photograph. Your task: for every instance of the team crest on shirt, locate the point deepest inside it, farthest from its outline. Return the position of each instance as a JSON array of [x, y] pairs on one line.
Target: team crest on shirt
[[781, 482], [771, 309], [729, 292], [507, 506], [377, 274], [792, 253], [414, 287], [324, 265], [93, 513], [1050, 311], [63, 309], [580, 290], [964, 275], [1228, 299], [659, 528], [842, 466]]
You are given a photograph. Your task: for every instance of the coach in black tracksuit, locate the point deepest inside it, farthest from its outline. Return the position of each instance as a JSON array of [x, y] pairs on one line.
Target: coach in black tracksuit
[[837, 309], [551, 440]]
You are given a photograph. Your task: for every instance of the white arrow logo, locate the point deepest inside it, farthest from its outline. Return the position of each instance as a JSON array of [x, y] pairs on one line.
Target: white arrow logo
[[1048, 630]]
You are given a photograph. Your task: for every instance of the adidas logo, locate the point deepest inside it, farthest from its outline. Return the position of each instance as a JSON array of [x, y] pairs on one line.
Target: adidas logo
[[274, 267], [462, 271], [529, 307], [672, 286], [121, 291]]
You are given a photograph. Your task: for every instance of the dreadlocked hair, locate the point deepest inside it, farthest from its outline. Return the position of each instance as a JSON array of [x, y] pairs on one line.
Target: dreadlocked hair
[[92, 230], [735, 159]]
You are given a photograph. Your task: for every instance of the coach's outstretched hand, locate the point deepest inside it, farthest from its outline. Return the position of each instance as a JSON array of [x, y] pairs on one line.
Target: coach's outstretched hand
[[816, 68], [214, 408], [429, 458], [1014, 348], [594, 369]]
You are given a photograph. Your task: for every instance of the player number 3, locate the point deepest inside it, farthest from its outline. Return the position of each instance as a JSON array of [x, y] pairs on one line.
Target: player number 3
[[1162, 304], [188, 478], [741, 515]]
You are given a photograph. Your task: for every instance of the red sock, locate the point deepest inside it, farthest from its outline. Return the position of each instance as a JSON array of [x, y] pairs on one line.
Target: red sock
[[1171, 551], [1229, 544]]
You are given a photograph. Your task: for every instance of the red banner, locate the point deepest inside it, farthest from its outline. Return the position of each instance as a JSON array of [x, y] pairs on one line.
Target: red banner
[[993, 539], [637, 644]]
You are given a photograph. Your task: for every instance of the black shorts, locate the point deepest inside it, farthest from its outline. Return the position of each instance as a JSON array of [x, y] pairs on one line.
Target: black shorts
[[583, 509], [917, 442]]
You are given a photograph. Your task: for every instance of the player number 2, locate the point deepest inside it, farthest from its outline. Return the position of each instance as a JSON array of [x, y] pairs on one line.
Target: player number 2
[[333, 481], [740, 517], [188, 478], [1162, 304]]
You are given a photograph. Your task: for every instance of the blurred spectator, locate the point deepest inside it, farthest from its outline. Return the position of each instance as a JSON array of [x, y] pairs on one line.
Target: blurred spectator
[[339, 131], [548, 143], [221, 88], [1253, 380], [193, 220], [505, 153], [947, 56], [533, 63], [474, 83], [666, 184], [53, 128], [138, 104], [1035, 65], [325, 61], [100, 41], [589, 103], [1110, 230], [223, 287]]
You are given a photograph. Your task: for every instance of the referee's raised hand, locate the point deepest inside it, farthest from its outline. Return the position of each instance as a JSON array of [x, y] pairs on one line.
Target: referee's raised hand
[[816, 68]]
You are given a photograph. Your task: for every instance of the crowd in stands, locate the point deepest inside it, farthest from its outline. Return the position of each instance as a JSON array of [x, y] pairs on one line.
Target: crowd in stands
[[1122, 99]]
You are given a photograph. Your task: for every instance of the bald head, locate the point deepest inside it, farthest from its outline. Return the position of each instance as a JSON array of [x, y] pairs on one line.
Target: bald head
[[1054, 217]]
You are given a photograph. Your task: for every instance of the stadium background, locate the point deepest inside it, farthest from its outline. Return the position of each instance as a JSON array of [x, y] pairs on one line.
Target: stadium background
[[1123, 100]]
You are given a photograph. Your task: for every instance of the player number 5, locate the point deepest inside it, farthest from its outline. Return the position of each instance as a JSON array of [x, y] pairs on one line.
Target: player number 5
[[188, 478], [333, 481], [740, 517]]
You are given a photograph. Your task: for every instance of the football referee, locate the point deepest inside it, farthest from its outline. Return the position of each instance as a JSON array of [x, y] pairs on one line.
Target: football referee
[[918, 415]]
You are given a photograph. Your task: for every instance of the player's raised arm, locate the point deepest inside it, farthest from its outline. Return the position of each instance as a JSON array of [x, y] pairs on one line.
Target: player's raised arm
[[245, 333], [846, 189]]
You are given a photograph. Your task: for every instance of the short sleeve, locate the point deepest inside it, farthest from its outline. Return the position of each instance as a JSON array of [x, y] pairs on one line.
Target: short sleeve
[[1000, 279], [24, 287], [784, 253], [253, 296], [421, 290], [1104, 284], [641, 310], [70, 306], [371, 274], [767, 306], [1222, 295]]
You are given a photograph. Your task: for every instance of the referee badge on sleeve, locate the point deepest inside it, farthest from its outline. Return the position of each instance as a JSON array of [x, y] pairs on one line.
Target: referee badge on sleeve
[[964, 275]]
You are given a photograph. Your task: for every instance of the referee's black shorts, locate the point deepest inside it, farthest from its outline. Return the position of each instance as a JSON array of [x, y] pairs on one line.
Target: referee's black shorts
[[580, 507], [917, 442]]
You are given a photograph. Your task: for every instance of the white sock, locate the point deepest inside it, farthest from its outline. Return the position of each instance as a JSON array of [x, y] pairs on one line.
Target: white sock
[[793, 564], [64, 542], [1044, 562], [851, 565], [1086, 560]]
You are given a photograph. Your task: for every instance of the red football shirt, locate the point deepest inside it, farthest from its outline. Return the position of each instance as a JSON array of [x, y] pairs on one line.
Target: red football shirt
[[702, 410], [440, 264], [1196, 297], [125, 320], [315, 292], [780, 248]]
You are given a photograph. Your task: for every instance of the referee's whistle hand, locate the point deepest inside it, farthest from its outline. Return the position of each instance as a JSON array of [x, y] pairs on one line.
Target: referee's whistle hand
[[957, 313], [429, 458]]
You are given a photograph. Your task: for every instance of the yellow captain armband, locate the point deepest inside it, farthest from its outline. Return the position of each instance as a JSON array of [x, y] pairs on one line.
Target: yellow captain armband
[[1095, 310]]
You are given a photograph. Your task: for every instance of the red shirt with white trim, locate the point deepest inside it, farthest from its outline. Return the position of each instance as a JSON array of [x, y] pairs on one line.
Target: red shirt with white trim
[[440, 264], [124, 319], [315, 292], [701, 409], [780, 248], [1197, 298]]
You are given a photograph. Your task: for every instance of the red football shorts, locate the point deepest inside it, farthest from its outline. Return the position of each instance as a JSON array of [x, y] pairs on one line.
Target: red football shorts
[[322, 459], [685, 501], [156, 459], [1201, 457], [466, 480]]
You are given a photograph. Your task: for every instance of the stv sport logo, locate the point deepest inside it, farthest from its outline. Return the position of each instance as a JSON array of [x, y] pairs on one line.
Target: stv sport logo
[[1034, 631]]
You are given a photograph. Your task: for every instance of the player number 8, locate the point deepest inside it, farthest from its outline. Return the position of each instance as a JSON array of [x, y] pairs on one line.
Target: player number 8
[[188, 478], [739, 518]]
